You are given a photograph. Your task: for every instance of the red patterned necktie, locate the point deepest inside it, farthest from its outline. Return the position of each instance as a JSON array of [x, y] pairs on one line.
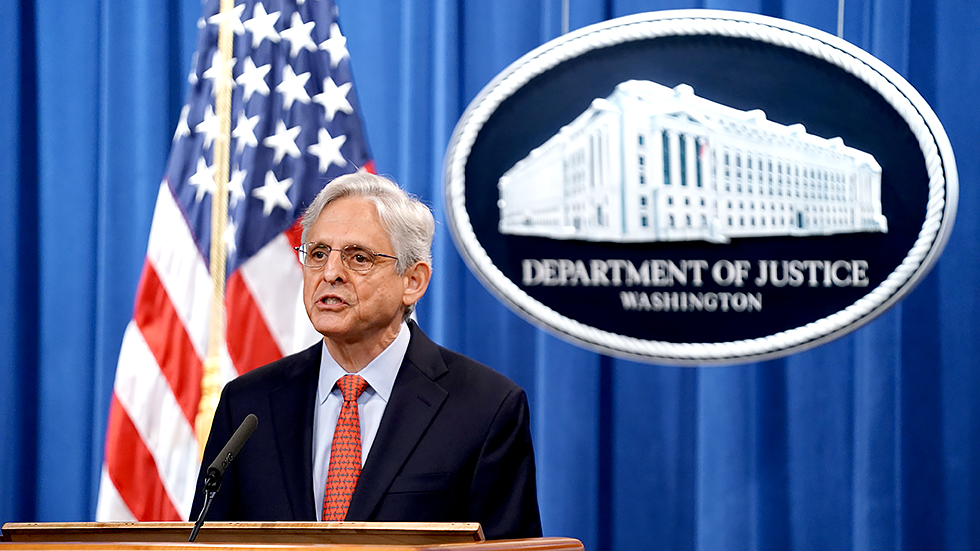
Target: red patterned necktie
[[345, 451]]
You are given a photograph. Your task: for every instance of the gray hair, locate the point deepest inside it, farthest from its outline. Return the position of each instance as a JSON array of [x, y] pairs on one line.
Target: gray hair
[[407, 220]]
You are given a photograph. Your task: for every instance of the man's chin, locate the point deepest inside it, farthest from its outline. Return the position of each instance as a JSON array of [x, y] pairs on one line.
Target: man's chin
[[330, 326]]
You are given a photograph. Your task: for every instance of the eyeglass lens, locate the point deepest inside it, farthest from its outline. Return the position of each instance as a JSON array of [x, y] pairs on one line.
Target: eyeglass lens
[[354, 257]]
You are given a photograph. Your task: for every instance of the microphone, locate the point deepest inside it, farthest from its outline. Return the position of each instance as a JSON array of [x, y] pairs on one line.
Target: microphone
[[212, 480]]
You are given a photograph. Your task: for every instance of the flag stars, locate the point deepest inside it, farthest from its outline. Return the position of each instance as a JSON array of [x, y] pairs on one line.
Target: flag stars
[[192, 77], [334, 98], [183, 130], [210, 127], [231, 232], [299, 35], [262, 25], [272, 144], [244, 132], [203, 179], [283, 142], [327, 149], [252, 79], [236, 186], [219, 73], [233, 17], [293, 87], [273, 193], [336, 46]]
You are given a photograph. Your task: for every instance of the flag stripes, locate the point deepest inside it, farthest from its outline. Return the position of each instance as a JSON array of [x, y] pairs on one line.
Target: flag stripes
[[295, 126], [167, 341], [254, 345], [138, 469]]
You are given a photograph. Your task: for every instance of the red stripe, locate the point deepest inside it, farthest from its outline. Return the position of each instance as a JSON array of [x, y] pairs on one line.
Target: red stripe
[[295, 234], [250, 344], [133, 471], [169, 342]]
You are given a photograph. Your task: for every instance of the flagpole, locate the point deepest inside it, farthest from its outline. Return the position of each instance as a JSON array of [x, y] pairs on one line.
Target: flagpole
[[211, 377]]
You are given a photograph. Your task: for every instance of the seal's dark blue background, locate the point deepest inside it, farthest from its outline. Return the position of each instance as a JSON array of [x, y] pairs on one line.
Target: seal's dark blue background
[[791, 88]]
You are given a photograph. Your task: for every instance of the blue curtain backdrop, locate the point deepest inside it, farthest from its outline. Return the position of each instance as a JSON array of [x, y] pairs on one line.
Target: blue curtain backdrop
[[869, 442]]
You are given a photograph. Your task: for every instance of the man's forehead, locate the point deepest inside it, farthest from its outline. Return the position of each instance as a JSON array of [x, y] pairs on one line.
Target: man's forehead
[[350, 218]]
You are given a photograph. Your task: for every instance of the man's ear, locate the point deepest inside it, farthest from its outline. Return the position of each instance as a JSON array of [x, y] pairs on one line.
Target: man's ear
[[416, 279]]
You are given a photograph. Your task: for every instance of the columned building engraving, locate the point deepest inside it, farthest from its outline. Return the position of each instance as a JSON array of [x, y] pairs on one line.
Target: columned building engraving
[[650, 163]]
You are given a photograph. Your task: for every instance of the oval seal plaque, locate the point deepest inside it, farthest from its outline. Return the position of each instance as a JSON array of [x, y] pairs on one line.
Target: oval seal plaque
[[699, 187]]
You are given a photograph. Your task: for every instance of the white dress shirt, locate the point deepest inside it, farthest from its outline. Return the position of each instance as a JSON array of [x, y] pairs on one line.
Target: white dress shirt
[[380, 375]]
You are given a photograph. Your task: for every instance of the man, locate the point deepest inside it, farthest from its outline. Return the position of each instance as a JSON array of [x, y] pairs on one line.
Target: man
[[442, 438]]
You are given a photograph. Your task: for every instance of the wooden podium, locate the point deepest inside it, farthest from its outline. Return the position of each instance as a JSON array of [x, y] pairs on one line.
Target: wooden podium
[[265, 536]]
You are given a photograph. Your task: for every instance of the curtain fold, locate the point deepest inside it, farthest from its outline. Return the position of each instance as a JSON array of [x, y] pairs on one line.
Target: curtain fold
[[867, 442]]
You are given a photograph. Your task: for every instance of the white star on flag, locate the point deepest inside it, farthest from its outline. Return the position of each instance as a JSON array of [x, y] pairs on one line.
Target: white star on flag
[[327, 149], [244, 132], [203, 179], [229, 237], [252, 79], [236, 186], [336, 45], [334, 98], [273, 193], [192, 77], [215, 73], [283, 141], [233, 16], [210, 127], [262, 25], [293, 87], [182, 129], [299, 35]]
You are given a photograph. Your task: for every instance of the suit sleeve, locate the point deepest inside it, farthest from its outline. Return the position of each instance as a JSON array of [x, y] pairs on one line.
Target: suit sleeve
[[504, 489]]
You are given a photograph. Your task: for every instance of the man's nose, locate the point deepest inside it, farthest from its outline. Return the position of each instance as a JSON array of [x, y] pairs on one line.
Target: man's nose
[[333, 267]]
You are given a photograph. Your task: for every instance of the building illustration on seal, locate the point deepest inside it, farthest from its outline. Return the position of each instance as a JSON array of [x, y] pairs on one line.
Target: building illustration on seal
[[651, 163]]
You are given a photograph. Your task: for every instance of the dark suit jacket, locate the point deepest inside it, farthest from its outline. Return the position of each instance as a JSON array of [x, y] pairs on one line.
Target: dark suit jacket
[[454, 445]]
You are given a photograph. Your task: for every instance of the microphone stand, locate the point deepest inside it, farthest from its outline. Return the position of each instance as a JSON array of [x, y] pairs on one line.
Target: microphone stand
[[212, 481], [211, 486]]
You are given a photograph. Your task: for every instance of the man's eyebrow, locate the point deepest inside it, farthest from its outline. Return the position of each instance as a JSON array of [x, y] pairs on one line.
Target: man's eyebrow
[[316, 244]]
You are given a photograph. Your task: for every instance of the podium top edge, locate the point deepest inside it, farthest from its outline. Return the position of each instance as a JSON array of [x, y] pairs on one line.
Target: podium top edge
[[448, 527]]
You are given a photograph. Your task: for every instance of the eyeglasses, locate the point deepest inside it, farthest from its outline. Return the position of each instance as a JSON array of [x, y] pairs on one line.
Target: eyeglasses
[[355, 257]]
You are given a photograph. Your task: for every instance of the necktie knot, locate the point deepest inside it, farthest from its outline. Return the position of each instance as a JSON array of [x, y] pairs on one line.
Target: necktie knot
[[351, 386]]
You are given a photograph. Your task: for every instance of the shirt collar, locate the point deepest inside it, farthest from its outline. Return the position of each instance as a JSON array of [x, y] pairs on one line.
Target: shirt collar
[[380, 373]]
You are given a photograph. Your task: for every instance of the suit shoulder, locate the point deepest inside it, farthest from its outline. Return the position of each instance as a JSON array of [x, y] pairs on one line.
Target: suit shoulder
[[455, 371], [478, 376], [278, 371]]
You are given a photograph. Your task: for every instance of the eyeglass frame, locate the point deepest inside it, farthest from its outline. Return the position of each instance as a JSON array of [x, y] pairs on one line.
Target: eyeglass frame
[[344, 252]]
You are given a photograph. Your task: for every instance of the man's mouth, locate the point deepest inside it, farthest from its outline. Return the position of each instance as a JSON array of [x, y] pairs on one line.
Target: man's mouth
[[330, 300]]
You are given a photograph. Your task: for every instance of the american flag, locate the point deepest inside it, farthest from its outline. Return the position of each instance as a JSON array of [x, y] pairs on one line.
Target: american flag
[[294, 126]]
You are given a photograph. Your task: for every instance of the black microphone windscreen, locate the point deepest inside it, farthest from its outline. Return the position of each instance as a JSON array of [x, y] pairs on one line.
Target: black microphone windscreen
[[234, 444]]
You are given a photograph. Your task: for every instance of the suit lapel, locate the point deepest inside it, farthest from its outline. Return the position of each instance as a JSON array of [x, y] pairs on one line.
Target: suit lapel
[[292, 405], [415, 400]]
